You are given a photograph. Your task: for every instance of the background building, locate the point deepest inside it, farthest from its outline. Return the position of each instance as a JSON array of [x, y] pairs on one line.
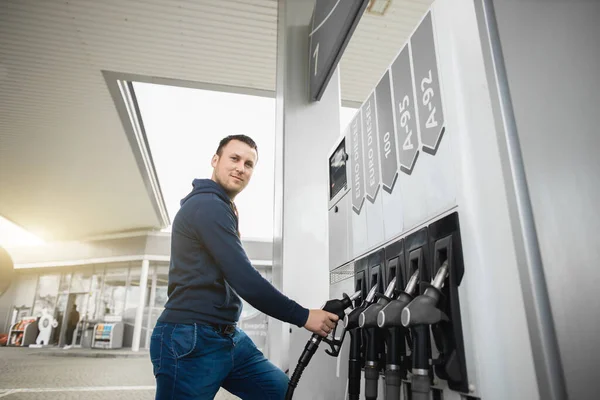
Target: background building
[[120, 277]]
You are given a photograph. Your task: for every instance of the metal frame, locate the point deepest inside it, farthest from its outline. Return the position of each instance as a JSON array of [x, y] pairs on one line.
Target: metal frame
[[548, 366]]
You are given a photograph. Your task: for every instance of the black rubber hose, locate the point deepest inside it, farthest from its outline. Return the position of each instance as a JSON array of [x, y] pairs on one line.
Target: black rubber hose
[[421, 347], [393, 384], [354, 366], [420, 387], [294, 381], [309, 350], [372, 362], [420, 384], [371, 378]]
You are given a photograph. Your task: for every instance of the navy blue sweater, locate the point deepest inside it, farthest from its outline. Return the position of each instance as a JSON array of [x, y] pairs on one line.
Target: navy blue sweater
[[209, 268]]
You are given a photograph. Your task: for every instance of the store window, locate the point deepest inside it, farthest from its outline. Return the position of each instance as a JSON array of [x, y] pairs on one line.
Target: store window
[[95, 311], [162, 286], [46, 294], [114, 291], [254, 322], [65, 282], [132, 299], [81, 281], [158, 281]]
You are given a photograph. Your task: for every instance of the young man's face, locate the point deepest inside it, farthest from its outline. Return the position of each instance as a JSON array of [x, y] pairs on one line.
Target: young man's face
[[233, 168]]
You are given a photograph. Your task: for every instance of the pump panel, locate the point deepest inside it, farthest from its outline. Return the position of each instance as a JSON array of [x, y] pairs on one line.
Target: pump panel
[[394, 264], [339, 242], [445, 245]]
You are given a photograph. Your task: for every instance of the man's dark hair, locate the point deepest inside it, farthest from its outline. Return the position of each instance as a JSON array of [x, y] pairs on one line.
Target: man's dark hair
[[242, 138]]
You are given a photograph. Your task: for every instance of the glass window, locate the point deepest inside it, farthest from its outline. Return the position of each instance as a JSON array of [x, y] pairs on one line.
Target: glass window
[[132, 297], [162, 284], [114, 291], [46, 294], [81, 281], [65, 281], [158, 280], [254, 322], [133, 290], [94, 310]]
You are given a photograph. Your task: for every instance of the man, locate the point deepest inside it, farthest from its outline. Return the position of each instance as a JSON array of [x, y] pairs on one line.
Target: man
[[72, 321], [196, 347]]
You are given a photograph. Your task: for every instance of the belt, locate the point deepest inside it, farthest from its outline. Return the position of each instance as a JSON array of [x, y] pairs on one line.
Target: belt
[[223, 329]]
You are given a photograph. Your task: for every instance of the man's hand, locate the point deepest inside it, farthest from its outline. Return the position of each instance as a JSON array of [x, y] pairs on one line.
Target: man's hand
[[321, 322]]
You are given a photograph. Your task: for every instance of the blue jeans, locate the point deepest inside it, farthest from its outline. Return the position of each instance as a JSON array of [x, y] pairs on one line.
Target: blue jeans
[[193, 361]]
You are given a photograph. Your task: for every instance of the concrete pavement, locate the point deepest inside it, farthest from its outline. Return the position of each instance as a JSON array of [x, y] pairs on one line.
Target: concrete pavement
[[37, 374]]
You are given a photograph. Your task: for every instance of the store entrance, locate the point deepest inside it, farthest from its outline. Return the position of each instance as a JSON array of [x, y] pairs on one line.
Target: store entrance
[[73, 311]]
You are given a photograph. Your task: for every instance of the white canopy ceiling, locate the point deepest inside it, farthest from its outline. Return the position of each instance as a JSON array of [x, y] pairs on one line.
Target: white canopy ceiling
[[68, 169]]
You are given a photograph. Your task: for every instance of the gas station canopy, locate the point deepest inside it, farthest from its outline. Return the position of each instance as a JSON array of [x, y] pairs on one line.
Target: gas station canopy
[[73, 160]]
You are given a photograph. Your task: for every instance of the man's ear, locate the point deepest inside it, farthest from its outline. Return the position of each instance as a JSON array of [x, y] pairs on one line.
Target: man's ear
[[214, 161]]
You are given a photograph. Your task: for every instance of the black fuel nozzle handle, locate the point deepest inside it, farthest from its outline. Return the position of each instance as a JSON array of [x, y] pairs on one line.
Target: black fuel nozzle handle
[[338, 307], [389, 316], [351, 319], [423, 309], [368, 318]]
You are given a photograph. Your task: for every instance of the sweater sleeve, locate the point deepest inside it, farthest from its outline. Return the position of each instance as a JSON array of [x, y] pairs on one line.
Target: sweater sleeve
[[216, 226]]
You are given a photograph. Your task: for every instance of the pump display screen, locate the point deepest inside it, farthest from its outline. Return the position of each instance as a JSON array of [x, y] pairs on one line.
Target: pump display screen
[[337, 170]]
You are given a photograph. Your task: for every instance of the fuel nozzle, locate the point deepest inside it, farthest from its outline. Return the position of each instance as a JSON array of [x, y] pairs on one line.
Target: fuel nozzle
[[389, 316], [422, 310], [354, 359], [351, 320], [368, 318], [368, 321], [339, 306], [334, 306], [418, 315]]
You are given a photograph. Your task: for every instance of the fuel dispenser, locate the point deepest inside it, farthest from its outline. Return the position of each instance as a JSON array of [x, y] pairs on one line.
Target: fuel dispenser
[[434, 155], [407, 325]]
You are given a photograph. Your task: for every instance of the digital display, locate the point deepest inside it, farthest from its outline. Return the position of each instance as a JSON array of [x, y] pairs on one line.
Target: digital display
[[337, 170]]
